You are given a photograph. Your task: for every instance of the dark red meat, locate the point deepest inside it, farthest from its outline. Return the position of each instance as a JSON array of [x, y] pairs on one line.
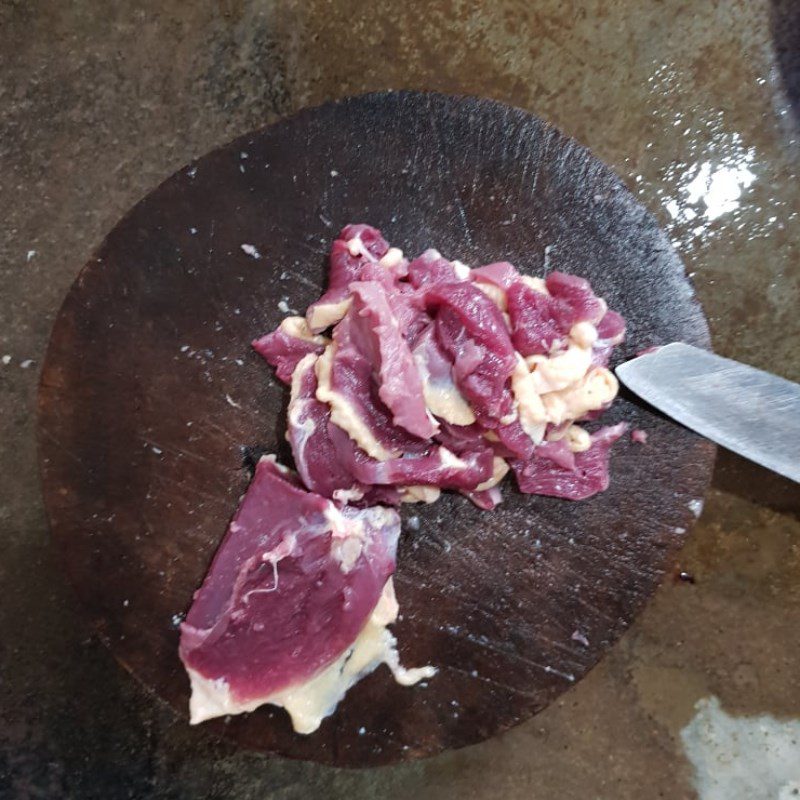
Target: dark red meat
[[281, 601]]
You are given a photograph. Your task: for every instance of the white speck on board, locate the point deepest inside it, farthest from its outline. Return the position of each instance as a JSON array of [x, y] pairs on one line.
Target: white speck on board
[[334, 173], [577, 636], [239, 362], [191, 172], [28, 362], [696, 507], [231, 401], [283, 306], [193, 231], [30, 255], [157, 450], [6, 360], [362, 730], [251, 251]]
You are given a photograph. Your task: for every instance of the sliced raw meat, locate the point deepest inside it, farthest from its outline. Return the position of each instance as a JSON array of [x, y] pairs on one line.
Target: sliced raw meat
[[610, 333], [552, 472], [472, 333], [290, 588], [577, 296], [440, 393], [376, 329], [431, 268], [500, 273], [488, 499], [536, 319], [344, 375], [440, 467], [314, 453], [287, 345], [356, 246]]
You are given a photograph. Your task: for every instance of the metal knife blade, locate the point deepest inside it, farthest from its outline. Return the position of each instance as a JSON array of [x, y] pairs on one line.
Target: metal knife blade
[[751, 412]]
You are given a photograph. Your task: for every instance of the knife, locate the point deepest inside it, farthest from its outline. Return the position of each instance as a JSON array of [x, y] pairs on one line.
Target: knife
[[751, 412]]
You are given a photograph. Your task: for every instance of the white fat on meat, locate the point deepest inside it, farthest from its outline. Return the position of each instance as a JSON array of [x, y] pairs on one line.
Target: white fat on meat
[[297, 406], [325, 315], [461, 270], [495, 293], [584, 334], [392, 257], [343, 413], [593, 392], [537, 284], [499, 471], [357, 248], [451, 460], [441, 395], [531, 410], [297, 328], [420, 494], [308, 703], [558, 372]]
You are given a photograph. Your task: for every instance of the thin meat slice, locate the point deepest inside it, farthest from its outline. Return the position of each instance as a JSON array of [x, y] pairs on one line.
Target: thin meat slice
[[289, 590], [556, 471], [499, 273], [377, 331], [472, 333], [356, 246], [433, 268], [439, 391], [345, 383], [439, 467], [537, 319], [579, 302], [314, 454], [290, 342], [610, 333]]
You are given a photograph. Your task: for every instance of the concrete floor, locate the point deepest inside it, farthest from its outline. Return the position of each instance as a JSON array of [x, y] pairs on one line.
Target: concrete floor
[[691, 102]]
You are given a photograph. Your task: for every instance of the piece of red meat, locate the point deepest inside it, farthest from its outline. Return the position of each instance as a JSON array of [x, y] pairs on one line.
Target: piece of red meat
[[289, 589], [431, 268], [351, 378], [314, 454], [579, 302], [610, 333], [378, 333], [438, 467], [536, 319], [356, 246], [283, 351], [552, 472], [471, 331], [500, 273]]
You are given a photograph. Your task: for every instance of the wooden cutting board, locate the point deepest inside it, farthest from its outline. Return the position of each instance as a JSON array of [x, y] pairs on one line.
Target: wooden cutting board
[[151, 400]]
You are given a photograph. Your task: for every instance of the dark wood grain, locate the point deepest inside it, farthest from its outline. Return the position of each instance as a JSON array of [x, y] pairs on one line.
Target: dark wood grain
[[150, 393]]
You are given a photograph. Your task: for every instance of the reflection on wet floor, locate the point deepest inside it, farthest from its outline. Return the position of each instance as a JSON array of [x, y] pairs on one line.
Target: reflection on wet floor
[[742, 758]]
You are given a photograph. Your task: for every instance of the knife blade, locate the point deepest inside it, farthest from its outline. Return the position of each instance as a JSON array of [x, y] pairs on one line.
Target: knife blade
[[751, 412]]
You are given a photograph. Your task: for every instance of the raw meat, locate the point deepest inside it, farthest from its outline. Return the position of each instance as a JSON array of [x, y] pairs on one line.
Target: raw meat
[[558, 472], [290, 588], [436, 376]]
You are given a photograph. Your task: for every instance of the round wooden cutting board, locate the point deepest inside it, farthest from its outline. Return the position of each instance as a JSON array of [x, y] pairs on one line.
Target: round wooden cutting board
[[151, 400]]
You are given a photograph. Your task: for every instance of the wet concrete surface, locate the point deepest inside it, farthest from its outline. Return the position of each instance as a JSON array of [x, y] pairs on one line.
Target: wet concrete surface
[[694, 104]]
